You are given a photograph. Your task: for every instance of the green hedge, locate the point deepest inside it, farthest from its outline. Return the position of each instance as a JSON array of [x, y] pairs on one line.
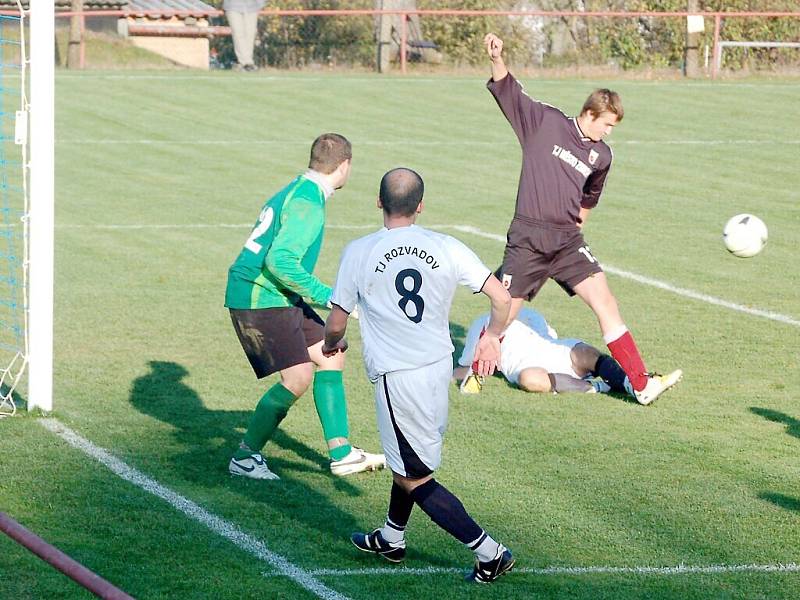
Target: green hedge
[[296, 42]]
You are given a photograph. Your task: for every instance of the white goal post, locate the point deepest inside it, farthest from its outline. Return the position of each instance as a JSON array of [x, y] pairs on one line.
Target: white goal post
[[42, 221]]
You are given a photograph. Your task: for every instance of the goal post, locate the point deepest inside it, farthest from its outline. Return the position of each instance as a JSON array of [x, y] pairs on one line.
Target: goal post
[[42, 219], [14, 205]]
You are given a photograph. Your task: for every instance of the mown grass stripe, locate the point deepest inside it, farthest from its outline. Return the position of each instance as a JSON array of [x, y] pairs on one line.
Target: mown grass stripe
[[656, 283], [662, 285], [216, 524]]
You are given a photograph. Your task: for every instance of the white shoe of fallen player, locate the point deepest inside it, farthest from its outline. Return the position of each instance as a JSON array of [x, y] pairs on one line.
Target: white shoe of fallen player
[[358, 461], [657, 385]]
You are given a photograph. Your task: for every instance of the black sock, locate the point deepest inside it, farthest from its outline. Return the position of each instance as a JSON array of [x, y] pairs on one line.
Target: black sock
[[559, 382], [609, 371], [400, 505], [447, 512]]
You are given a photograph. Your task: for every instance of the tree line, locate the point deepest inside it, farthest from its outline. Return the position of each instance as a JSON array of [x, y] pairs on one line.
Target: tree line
[[625, 43]]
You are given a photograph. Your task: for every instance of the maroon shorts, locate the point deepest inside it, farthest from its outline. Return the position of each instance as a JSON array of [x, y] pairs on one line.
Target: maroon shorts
[[277, 338], [537, 251]]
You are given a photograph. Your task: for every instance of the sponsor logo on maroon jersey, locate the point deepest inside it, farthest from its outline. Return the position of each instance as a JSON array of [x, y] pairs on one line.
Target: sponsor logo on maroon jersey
[[572, 160]]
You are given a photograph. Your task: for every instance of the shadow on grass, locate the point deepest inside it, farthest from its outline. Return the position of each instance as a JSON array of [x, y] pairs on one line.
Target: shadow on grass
[[209, 437], [781, 500], [793, 429], [792, 424], [458, 335]]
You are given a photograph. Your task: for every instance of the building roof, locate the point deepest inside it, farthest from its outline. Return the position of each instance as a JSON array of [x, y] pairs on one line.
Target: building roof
[[67, 4], [193, 7]]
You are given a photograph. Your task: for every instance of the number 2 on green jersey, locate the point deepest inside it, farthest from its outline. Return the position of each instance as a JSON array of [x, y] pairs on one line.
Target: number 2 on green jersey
[[264, 221]]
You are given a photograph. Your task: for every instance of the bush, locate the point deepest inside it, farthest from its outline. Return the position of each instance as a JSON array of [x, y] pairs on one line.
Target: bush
[[289, 42]]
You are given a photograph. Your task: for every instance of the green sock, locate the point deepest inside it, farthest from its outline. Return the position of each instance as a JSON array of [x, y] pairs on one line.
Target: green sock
[[270, 411], [332, 409]]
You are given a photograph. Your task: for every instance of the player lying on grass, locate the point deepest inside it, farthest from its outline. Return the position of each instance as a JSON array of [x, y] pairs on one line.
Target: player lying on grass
[[277, 329], [534, 358]]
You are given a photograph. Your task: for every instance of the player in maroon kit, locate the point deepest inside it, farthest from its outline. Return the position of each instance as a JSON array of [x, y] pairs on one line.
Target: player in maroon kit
[[564, 167]]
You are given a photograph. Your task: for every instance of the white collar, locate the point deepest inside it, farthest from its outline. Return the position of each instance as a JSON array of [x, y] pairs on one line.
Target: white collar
[[321, 181]]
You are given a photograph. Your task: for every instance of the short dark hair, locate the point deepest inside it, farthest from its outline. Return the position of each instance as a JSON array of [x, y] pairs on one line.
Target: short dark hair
[[401, 192], [604, 100], [329, 151]]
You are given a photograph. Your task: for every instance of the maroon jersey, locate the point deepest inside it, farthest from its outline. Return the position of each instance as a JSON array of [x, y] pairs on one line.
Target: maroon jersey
[[562, 169]]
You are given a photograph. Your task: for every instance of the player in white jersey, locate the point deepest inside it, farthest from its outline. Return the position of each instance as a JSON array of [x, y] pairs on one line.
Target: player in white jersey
[[403, 278], [535, 359]]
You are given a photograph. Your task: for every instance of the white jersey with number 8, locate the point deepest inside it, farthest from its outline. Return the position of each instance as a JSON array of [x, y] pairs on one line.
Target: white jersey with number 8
[[403, 281]]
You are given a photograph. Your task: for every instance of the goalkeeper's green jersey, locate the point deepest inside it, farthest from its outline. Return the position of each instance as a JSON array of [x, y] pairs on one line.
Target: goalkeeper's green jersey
[[274, 269]]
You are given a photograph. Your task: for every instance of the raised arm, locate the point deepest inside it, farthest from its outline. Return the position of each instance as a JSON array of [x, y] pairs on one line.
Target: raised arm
[[494, 48], [523, 113]]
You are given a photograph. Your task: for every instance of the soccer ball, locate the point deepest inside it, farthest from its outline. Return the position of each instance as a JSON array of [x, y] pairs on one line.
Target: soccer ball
[[744, 235]]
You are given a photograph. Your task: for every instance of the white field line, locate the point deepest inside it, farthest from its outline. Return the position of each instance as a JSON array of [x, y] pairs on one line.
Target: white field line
[[575, 571], [216, 524], [662, 285], [400, 142], [307, 578]]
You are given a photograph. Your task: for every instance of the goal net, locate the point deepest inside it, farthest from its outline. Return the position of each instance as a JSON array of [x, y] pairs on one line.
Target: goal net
[[13, 208]]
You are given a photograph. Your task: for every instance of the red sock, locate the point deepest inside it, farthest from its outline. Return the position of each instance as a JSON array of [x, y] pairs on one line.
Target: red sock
[[624, 350]]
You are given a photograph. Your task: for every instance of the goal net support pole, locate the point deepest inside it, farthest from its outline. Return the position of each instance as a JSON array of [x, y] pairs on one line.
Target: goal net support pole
[[42, 221]]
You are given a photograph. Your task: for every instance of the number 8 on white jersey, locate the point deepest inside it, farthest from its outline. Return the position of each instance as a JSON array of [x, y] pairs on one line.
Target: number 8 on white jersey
[[403, 281]]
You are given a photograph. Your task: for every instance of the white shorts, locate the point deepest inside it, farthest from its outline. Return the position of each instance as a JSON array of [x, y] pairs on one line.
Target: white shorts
[[412, 417], [554, 356]]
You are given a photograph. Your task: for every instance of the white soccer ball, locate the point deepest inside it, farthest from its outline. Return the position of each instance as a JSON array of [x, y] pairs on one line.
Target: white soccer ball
[[744, 235]]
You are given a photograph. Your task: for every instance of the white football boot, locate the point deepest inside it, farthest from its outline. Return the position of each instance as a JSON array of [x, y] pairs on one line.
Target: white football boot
[[358, 461], [253, 466], [656, 385]]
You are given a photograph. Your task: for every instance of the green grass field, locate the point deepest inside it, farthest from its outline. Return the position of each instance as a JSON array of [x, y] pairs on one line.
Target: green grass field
[[158, 179]]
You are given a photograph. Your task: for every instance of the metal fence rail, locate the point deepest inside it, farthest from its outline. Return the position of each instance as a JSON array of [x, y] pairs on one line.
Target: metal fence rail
[[405, 14]]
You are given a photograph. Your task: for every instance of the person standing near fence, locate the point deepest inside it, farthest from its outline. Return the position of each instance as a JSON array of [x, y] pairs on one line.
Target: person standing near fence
[[565, 163], [242, 17]]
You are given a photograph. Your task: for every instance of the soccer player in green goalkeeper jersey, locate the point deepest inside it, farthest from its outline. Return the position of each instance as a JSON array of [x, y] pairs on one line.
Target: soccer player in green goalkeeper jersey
[[278, 330]]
